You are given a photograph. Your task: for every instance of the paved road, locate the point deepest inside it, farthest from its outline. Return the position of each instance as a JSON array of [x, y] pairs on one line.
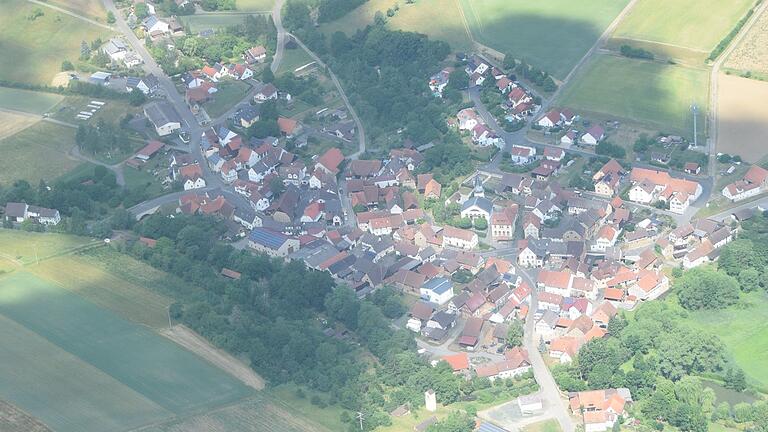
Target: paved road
[[762, 202], [550, 393], [173, 96], [337, 83], [72, 14], [278, 20], [713, 85]]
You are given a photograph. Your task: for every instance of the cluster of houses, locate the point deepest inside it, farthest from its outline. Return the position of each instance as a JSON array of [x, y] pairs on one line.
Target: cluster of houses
[[20, 212], [564, 119], [754, 182], [518, 103], [156, 27], [600, 409], [120, 53], [470, 121], [696, 243]]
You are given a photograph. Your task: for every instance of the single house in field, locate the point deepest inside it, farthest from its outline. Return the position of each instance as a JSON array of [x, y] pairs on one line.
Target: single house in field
[[268, 92], [255, 54], [163, 117], [272, 243], [753, 183], [593, 135]]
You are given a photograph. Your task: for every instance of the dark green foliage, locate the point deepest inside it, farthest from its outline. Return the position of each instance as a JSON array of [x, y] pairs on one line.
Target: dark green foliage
[[639, 53], [455, 422], [217, 5], [329, 10], [735, 379], [515, 333], [609, 149], [705, 288]]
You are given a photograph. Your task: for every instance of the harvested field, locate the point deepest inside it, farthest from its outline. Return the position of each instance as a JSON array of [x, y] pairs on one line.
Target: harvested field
[[12, 123], [192, 341], [94, 9], [751, 54], [12, 419], [22, 153], [742, 116]]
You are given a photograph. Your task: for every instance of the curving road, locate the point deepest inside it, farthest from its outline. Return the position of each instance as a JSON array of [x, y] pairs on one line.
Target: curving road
[[278, 20]]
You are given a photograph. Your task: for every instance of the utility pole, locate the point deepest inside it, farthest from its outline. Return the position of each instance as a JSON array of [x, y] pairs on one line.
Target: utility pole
[[170, 326], [695, 109], [360, 417]]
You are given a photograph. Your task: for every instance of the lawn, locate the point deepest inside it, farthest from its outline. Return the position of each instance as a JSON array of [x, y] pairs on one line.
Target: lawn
[[29, 247], [230, 94], [38, 46], [552, 35], [648, 93], [213, 21], [543, 426], [285, 395], [94, 9], [693, 24], [37, 152], [744, 330], [112, 111], [292, 59], [131, 356], [27, 101], [438, 19], [254, 5]]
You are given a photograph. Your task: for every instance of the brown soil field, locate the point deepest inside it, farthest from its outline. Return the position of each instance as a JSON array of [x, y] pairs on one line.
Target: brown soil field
[[11, 123], [752, 53], [742, 116], [192, 341], [12, 419]]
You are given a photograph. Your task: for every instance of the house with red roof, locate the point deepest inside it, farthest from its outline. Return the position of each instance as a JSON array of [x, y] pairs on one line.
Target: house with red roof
[[330, 160], [550, 119], [753, 183]]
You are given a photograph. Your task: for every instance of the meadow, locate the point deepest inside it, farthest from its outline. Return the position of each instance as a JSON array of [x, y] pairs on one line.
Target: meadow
[[162, 377], [438, 19], [12, 123], [29, 247], [741, 117], [213, 21], [552, 35], [37, 152], [254, 5], [38, 46], [693, 24], [653, 94], [94, 9], [292, 59], [27, 101], [231, 92]]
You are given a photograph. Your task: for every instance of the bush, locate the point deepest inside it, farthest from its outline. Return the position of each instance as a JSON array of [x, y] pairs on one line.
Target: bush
[[67, 65], [628, 51]]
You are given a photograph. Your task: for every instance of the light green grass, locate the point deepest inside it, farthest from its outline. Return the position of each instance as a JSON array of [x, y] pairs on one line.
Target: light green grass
[[27, 101], [38, 152], [292, 59], [28, 247], [543, 426], [112, 111], [695, 24], [329, 417], [254, 5], [230, 93], [94, 9], [438, 19], [37, 47], [650, 93], [152, 366], [213, 21], [552, 35], [744, 330], [63, 391]]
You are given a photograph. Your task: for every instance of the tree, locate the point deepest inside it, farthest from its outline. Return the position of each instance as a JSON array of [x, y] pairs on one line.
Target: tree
[[85, 50], [141, 10], [742, 412], [735, 379], [721, 412], [67, 65], [739, 255], [267, 76], [509, 61], [276, 186], [515, 333], [705, 288], [136, 97], [549, 85], [480, 223], [110, 17]]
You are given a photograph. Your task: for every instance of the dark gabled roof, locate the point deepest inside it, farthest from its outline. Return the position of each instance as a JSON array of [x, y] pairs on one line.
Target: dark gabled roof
[[268, 238]]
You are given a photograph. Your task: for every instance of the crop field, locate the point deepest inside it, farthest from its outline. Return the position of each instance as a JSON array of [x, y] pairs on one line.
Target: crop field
[[12, 419], [648, 93], [438, 19], [38, 46], [552, 35], [27, 101], [213, 21], [742, 117], [12, 123], [141, 377], [751, 54], [94, 9], [37, 152], [694, 24], [254, 5], [28, 247]]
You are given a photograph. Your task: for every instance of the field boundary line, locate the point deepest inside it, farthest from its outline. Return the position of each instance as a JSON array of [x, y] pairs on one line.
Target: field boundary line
[[648, 41], [72, 14]]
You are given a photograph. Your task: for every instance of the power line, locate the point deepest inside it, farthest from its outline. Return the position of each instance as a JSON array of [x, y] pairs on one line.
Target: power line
[[360, 417]]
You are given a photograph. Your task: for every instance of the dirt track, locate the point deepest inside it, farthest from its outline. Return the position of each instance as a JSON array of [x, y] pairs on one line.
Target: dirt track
[[192, 341]]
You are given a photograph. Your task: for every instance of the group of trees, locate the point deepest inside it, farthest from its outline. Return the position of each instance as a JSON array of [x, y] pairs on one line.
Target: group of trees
[[104, 137], [706, 288], [329, 10], [606, 148], [530, 73], [639, 53], [662, 356]]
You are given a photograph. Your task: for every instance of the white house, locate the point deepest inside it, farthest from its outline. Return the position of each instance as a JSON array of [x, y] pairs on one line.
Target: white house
[[477, 207], [522, 154], [459, 238], [163, 117], [593, 135], [438, 290], [550, 119]]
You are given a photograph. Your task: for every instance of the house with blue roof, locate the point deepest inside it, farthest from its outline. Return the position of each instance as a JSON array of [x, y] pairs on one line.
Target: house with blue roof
[[437, 290], [272, 243]]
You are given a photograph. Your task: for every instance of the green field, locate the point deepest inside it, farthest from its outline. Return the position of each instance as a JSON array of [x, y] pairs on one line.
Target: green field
[[438, 19], [112, 111], [213, 20], [38, 152], [744, 330], [27, 101], [292, 59], [28, 247], [254, 5], [38, 46], [693, 24], [231, 93], [143, 373], [653, 94], [94, 9], [552, 35]]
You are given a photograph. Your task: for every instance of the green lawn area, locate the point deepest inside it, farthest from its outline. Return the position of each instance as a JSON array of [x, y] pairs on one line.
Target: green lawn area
[[37, 47], [112, 110], [18, 247], [144, 373], [552, 35], [94, 9], [213, 20], [27, 101], [230, 94], [37, 152], [254, 5], [648, 93], [285, 395], [693, 24], [292, 59], [543, 426], [438, 19]]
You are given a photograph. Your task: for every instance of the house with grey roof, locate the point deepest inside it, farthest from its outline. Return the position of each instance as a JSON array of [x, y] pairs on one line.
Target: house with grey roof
[[163, 117]]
